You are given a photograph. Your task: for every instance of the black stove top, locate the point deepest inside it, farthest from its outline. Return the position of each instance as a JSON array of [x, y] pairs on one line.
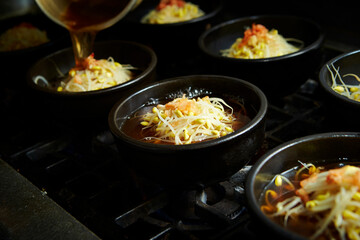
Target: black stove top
[[81, 170]]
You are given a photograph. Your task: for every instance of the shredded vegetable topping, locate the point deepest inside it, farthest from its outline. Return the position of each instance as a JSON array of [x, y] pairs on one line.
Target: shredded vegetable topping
[[172, 11], [96, 74], [22, 36], [351, 91], [259, 42], [185, 121], [330, 199]]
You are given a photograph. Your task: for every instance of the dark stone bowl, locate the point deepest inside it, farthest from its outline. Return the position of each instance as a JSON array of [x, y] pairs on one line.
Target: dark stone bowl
[[343, 110], [198, 163], [346, 63], [92, 104], [276, 76]]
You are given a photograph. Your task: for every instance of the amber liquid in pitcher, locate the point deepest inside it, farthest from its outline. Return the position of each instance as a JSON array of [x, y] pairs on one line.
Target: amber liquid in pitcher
[[81, 18]]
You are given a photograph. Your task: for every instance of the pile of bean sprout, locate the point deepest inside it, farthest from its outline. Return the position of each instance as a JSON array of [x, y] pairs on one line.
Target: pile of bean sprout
[[259, 42], [185, 121], [95, 75], [172, 12], [351, 91], [90, 75], [329, 198]]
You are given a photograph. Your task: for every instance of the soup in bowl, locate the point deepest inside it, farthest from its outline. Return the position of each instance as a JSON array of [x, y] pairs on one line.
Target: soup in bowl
[[201, 161], [57, 86], [307, 188]]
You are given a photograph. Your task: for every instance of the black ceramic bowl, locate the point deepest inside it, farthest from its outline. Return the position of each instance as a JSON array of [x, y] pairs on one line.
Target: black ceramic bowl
[[91, 104], [345, 63], [321, 149], [276, 76], [15, 63], [173, 42], [199, 163]]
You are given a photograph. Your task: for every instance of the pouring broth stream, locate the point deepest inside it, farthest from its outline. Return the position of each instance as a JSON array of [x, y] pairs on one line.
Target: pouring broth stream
[[81, 19]]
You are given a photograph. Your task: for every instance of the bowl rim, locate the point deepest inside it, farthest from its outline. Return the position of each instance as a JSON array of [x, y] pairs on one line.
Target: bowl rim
[[312, 46], [257, 119], [206, 16], [254, 170], [151, 67], [324, 71]]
